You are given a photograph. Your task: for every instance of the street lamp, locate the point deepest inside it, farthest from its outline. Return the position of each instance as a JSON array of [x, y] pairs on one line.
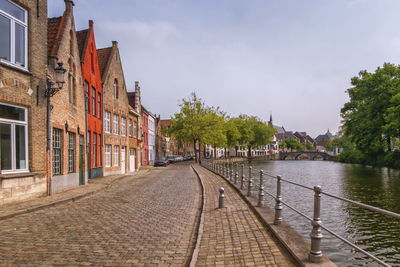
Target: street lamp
[[52, 88]]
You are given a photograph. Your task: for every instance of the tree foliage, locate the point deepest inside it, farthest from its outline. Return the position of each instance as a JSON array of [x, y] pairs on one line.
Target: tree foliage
[[291, 143], [371, 119]]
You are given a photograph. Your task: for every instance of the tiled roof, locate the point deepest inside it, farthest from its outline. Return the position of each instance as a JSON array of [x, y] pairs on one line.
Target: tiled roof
[[103, 55], [165, 122], [131, 98], [53, 29], [81, 37]]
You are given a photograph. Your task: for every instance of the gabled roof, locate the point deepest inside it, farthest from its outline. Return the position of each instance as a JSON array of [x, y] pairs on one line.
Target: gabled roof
[[103, 55], [82, 39], [54, 35]]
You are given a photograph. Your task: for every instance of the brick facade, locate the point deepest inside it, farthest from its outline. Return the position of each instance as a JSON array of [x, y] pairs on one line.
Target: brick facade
[[94, 97], [67, 165], [116, 105], [25, 88]]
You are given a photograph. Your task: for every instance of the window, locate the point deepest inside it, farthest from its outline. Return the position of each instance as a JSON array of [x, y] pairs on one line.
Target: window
[[94, 155], [108, 155], [107, 123], [13, 32], [123, 126], [130, 128], [57, 157], [115, 124], [135, 129], [93, 101], [116, 155], [99, 105], [86, 85], [71, 152], [115, 88], [13, 138]]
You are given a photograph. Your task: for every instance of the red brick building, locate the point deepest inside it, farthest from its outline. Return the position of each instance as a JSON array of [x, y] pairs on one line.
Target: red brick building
[[92, 87]]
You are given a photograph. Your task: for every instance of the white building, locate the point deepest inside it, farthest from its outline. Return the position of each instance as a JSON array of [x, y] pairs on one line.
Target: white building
[[152, 139]]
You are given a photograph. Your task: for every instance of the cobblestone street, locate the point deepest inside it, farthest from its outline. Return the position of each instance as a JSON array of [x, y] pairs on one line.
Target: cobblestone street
[[144, 220]]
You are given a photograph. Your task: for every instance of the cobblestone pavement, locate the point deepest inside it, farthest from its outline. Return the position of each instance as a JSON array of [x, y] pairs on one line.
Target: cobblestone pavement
[[148, 220], [233, 236]]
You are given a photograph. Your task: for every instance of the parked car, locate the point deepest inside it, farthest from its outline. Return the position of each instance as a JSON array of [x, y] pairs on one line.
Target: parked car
[[161, 162], [171, 159], [179, 158]]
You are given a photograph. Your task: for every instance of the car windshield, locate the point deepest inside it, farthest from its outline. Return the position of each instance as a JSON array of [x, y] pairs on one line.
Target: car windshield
[[161, 159]]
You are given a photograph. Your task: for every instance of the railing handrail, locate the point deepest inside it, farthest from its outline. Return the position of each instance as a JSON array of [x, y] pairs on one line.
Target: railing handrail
[[318, 222]]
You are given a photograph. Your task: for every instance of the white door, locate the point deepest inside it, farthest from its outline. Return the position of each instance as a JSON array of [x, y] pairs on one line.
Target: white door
[[123, 157], [132, 160]]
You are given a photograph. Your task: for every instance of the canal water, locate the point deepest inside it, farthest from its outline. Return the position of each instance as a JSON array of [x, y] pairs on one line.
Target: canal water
[[380, 187]]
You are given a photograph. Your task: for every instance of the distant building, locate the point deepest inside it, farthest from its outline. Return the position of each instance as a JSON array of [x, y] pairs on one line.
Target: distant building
[[322, 139]]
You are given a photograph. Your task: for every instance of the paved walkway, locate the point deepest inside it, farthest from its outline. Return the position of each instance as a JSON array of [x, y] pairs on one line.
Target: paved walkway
[[144, 220], [233, 236]]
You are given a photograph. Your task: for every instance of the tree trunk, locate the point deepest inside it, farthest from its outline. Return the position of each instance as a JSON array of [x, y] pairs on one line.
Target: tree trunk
[[249, 152], [215, 152]]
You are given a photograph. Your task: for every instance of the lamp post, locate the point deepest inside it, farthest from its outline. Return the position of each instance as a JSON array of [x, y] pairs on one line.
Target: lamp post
[[52, 88]]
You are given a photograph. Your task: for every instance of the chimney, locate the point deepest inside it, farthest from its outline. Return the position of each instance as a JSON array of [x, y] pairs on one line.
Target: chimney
[[91, 23], [69, 4], [114, 43], [137, 97]]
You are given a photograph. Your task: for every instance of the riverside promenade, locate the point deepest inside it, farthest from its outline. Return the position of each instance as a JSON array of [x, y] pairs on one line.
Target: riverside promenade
[[148, 219]]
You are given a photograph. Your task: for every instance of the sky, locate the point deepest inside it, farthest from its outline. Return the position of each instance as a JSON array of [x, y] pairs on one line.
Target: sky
[[289, 58]]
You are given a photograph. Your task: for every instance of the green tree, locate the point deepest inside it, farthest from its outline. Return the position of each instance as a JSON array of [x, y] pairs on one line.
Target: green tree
[[196, 123], [291, 143], [253, 132], [232, 133], [309, 146], [371, 117]]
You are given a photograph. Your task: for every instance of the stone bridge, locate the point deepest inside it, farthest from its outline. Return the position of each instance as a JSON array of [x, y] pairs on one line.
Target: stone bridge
[[311, 155]]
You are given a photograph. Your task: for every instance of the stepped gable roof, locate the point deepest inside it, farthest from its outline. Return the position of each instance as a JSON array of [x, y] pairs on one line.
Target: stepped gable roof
[[285, 135], [103, 55], [82, 39], [54, 35]]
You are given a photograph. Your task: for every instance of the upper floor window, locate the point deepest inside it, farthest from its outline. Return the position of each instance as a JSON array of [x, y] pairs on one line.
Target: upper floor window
[[130, 128], [115, 88], [86, 85], [107, 122], [99, 105], [135, 129], [115, 124], [123, 126], [93, 101], [13, 32]]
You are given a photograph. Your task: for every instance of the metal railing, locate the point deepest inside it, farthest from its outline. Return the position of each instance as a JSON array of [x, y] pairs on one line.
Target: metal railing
[[229, 171]]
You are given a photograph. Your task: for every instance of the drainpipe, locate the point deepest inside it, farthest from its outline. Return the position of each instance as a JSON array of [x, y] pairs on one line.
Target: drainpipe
[[86, 98], [48, 147]]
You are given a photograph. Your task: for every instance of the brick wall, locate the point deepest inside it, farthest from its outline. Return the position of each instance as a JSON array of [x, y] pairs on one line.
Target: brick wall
[[26, 88]]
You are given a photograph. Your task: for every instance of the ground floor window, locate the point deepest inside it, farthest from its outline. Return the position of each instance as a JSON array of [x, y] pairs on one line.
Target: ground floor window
[[116, 155], [13, 139], [108, 155], [57, 145], [94, 152], [71, 152]]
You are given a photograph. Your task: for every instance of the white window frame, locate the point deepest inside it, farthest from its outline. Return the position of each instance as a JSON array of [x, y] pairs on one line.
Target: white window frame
[[13, 123], [115, 124], [116, 156], [14, 21], [123, 126], [107, 122], [108, 155]]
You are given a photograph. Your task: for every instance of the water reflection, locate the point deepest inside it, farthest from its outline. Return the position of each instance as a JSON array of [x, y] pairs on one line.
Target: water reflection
[[376, 233]]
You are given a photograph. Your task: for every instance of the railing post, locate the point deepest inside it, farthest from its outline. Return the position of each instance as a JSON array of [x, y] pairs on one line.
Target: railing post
[[242, 178], [278, 203], [315, 255], [261, 191], [236, 173], [249, 183], [221, 198], [231, 174]]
